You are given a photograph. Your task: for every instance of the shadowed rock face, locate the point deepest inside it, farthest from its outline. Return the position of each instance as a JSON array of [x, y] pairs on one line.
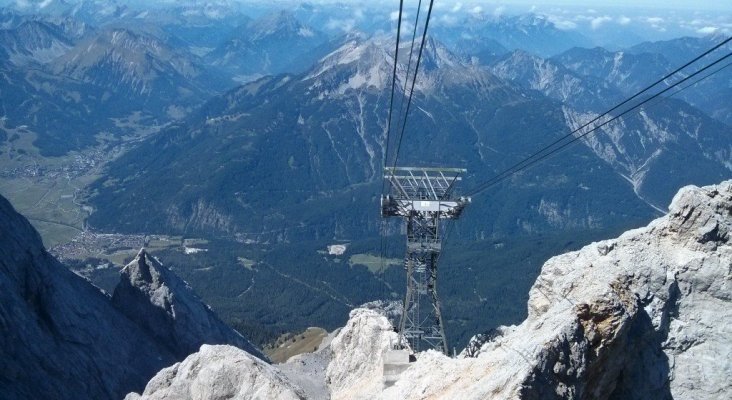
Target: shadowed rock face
[[168, 309], [60, 337]]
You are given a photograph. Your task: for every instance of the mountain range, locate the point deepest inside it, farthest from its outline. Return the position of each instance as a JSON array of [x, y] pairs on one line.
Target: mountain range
[[292, 162], [277, 168], [90, 82], [272, 44], [281, 131], [530, 32]]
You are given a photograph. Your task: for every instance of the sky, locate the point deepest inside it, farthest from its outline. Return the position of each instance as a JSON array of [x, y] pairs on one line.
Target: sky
[[652, 19], [658, 4], [720, 5]]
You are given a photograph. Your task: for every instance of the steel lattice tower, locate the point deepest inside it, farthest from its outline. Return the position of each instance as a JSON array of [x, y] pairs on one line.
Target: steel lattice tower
[[423, 197]]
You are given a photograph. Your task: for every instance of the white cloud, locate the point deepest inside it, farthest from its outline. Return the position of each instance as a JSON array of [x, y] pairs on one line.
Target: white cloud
[[599, 21], [345, 25], [448, 20], [623, 20], [31, 3], [476, 10], [656, 23], [707, 30], [457, 7], [394, 15], [561, 23], [499, 11], [697, 22]]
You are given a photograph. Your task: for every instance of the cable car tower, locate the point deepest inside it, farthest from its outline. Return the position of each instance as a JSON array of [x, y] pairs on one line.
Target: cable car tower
[[423, 197]]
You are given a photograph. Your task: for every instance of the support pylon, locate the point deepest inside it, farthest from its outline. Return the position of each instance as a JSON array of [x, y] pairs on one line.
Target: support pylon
[[423, 197]]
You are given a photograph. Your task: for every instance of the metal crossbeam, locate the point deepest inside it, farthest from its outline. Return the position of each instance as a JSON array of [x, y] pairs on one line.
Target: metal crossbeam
[[423, 197]]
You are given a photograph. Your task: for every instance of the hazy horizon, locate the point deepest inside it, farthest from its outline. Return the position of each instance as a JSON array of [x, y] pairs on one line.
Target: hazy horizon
[[616, 23]]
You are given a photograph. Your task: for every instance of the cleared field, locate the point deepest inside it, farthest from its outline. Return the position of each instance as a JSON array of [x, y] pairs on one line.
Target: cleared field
[[53, 233], [46, 189], [247, 263], [372, 262], [289, 345]]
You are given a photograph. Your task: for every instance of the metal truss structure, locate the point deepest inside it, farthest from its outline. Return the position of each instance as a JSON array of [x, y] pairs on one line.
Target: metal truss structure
[[423, 197]]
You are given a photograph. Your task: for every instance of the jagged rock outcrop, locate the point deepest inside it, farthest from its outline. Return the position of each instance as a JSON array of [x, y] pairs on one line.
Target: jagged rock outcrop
[[168, 309], [646, 315], [60, 337], [357, 353], [220, 372], [63, 338], [307, 371]]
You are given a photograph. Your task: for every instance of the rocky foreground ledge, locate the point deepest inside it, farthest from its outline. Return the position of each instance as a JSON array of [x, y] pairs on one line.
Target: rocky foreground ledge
[[646, 315]]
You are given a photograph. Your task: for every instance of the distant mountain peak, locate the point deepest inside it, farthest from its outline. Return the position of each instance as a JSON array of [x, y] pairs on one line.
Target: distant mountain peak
[[272, 44], [370, 63], [131, 62], [281, 24], [533, 19]]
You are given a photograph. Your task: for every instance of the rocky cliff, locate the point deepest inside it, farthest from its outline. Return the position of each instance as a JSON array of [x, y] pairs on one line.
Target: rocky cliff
[[63, 338], [168, 309], [220, 372], [646, 315], [60, 337]]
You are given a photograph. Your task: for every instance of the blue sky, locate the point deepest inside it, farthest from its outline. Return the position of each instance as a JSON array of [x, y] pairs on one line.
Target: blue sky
[[649, 4], [718, 5], [658, 18]]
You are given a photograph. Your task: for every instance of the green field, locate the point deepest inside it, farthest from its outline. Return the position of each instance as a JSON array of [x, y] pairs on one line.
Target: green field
[[373, 263], [47, 190], [247, 263]]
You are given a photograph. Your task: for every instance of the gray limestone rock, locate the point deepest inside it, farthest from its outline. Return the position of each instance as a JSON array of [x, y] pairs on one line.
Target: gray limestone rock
[[168, 309], [220, 372], [646, 315]]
